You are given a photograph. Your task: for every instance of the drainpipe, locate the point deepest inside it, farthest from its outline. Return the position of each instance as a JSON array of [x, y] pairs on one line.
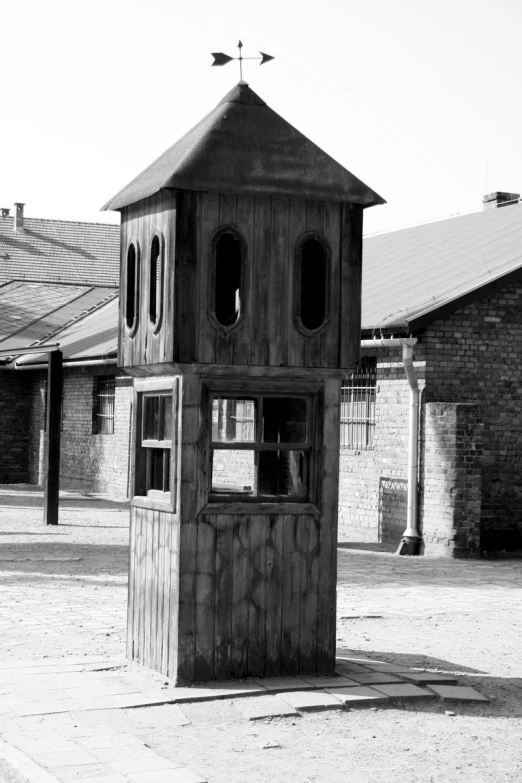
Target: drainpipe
[[77, 363], [410, 538]]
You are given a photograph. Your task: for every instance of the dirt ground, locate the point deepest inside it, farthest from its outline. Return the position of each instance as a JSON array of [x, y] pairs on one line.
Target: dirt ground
[[63, 593]]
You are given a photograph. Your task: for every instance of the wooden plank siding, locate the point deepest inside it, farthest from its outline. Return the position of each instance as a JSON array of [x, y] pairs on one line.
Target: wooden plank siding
[[266, 333], [150, 588]]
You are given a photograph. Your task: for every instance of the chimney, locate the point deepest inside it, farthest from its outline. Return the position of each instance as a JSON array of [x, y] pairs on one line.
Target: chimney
[[19, 216], [499, 199], [5, 212]]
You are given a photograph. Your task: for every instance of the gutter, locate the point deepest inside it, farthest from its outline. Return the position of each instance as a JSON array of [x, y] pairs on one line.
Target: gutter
[[411, 538], [77, 363]]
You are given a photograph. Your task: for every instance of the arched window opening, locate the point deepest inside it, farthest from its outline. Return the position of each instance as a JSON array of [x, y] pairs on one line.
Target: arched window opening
[[227, 304], [313, 284], [132, 293], [155, 281]]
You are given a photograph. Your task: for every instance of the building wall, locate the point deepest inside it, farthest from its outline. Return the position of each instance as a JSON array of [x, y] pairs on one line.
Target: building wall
[[88, 462], [468, 357], [373, 483], [14, 437]]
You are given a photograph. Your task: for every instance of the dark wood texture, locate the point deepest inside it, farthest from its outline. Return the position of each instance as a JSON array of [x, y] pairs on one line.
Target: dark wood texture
[[268, 332], [52, 452]]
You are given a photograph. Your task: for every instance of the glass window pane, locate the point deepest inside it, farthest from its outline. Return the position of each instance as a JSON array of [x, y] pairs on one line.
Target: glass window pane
[[283, 473], [167, 418], [284, 420], [158, 469], [151, 418], [234, 472], [233, 421]]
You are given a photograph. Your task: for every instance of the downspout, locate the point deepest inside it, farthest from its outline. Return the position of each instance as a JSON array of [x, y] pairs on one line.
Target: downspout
[[411, 539]]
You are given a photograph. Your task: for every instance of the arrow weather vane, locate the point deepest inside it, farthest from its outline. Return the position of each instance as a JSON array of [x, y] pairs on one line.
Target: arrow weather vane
[[222, 59]]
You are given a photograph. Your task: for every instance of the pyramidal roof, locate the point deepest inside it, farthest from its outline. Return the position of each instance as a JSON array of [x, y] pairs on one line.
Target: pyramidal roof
[[243, 146]]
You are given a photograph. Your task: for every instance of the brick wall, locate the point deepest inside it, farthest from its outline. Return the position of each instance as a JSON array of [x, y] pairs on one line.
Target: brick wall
[[372, 483], [474, 356], [97, 463], [475, 481], [14, 438]]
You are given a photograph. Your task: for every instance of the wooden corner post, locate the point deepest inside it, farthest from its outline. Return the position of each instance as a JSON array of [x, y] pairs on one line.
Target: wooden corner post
[[52, 452]]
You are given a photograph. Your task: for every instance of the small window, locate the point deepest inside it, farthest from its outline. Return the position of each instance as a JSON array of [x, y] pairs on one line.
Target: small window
[[155, 445], [228, 251], [132, 292], [311, 289], [156, 281], [261, 448], [358, 393], [103, 408]]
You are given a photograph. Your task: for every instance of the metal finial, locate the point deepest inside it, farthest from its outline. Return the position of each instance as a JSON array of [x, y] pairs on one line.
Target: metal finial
[[222, 59]]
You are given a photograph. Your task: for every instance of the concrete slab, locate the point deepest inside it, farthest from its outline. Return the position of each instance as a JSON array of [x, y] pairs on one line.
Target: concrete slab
[[457, 693], [264, 707], [330, 682], [361, 694], [424, 678], [373, 677], [310, 701], [179, 775], [404, 690], [284, 684], [228, 689]]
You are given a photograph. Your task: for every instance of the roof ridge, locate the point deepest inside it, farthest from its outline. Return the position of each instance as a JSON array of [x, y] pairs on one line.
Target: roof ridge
[[10, 218]]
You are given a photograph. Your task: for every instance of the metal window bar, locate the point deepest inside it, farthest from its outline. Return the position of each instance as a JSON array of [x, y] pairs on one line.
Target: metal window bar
[[105, 400], [358, 407]]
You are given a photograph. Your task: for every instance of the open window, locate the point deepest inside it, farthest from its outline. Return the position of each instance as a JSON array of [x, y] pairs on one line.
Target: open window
[[227, 283], [261, 447], [132, 283], [311, 283], [156, 440], [156, 269]]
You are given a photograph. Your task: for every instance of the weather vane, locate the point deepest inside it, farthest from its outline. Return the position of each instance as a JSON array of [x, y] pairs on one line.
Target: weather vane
[[222, 59]]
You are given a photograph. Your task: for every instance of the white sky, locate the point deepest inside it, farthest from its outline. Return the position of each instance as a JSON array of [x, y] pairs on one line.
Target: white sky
[[411, 96]]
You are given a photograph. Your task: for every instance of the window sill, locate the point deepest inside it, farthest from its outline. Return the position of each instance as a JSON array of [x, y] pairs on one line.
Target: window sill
[[253, 507]]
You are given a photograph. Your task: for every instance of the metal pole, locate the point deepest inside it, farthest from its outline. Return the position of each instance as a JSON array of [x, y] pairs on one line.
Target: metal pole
[[52, 455]]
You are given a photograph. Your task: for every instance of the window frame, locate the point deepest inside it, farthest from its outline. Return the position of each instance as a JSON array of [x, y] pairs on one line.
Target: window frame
[[367, 375], [132, 328], [256, 389], [152, 498], [155, 325], [98, 380], [297, 291], [212, 278]]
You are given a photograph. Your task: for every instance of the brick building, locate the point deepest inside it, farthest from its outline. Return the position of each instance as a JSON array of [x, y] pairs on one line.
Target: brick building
[[456, 287], [59, 284]]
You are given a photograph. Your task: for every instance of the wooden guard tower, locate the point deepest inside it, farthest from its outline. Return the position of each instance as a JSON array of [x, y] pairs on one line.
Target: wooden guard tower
[[240, 313]]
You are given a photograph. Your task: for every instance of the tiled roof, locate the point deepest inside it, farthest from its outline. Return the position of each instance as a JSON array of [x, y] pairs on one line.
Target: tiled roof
[[412, 273], [243, 146], [91, 337], [60, 251], [32, 312]]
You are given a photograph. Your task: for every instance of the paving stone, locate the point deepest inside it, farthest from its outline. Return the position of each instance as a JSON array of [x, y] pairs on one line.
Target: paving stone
[[457, 693], [404, 690], [108, 740], [425, 678], [39, 743], [178, 775], [347, 667], [330, 682], [308, 701], [79, 772], [41, 708], [64, 758], [362, 694], [388, 667], [161, 715], [186, 694], [264, 707], [134, 766], [281, 684], [106, 779], [115, 753], [229, 689], [373, 677]]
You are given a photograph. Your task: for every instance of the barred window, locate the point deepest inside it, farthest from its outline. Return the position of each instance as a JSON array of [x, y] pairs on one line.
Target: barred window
[[103, 409], [358, 406]]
